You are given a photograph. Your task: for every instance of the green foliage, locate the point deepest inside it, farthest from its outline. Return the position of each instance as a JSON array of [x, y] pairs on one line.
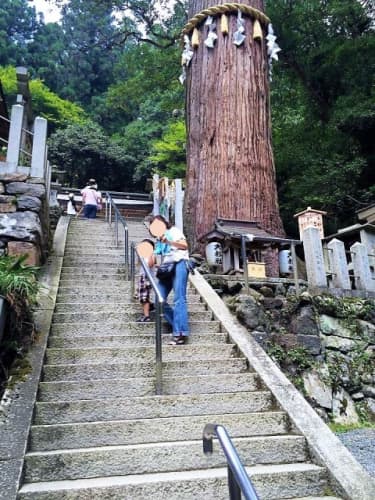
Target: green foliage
[[169, 152], [19, 286], [346, 307], [45, 103], [85, 151], [146, 84], [298, 356], [323, 108], [17, 26], [18, 281], [340, 428], [356, 367]]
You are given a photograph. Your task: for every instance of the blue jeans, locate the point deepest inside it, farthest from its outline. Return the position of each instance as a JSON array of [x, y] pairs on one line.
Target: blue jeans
[[177, 316], [89, 211]]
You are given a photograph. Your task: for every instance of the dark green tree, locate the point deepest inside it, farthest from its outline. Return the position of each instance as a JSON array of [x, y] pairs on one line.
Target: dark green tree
[[85, 151], [18, 23], [323, 107], [88, 54], [48, 65]]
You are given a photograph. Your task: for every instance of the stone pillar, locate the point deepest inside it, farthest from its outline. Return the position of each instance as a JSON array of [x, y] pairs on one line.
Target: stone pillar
[[227, 261], [47, 179], [155, 192], [316, 274], [368, 239], [338, 264], [15, 136], [361, 268], [179, 203], [38, 158]]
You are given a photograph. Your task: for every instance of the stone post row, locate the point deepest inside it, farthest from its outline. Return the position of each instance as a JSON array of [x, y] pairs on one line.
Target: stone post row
[[315, 266]]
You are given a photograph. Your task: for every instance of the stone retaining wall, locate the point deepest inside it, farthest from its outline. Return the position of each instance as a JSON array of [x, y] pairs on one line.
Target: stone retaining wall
[[325, 344], [24, 218]]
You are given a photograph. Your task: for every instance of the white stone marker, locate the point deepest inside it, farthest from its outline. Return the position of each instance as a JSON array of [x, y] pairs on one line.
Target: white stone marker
[[15, 136], [316, 274], [38, 158], [361, 267], [338, 264]]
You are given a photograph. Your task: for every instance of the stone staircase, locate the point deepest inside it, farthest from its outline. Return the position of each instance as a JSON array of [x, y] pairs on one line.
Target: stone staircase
[[99, 431]]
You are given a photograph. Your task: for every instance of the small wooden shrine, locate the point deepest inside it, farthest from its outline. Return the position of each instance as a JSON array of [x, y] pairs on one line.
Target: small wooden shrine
[[260, 247]]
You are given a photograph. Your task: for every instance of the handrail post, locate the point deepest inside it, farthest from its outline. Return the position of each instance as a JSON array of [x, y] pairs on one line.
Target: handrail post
[[158, 347], [132, 267], [238, 472], [126, 251], [159, 304], [234, 489], [244, 263]]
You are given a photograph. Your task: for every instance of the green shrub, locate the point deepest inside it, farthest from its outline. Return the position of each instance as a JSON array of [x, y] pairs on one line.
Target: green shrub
[[19, 286]]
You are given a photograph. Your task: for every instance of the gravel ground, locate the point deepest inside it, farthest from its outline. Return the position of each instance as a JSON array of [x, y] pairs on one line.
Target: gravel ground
[[361, 443]]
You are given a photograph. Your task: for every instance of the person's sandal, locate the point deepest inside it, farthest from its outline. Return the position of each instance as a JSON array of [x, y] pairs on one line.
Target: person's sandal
[[177, 341], [144, 319]]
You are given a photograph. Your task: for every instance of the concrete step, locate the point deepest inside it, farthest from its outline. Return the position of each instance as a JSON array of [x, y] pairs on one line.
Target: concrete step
[[96, 284], [64, 412], [157, 458], [107, 296], [128, 314], [114, 306], [185, 368], [90, 271], [119, 327], [118, 388], [72, 341], [95, 266], [83, 259], [139, 353], [78, 289], [74, 245], [156, 430], [272, 482]]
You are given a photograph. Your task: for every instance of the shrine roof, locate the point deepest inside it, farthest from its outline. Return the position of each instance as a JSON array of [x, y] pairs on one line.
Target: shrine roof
[[234, 229], [350, 231]]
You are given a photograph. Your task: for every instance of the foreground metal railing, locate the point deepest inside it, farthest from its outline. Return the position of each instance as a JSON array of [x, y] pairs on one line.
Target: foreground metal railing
[[112, 210], [238, 479], [159, 302]]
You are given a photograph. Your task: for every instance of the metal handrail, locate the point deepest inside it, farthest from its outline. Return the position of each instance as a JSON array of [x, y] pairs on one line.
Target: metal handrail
[[110, 207], [238, 479], [159, 301]]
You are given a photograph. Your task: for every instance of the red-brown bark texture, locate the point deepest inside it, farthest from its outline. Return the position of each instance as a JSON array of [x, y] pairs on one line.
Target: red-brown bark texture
[[230, 170]]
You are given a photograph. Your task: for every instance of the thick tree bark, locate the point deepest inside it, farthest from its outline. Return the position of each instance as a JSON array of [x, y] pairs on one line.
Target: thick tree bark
[[230, 161]]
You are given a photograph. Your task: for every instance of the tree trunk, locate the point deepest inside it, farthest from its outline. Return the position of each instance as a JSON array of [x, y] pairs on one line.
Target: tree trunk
[[231, 170]]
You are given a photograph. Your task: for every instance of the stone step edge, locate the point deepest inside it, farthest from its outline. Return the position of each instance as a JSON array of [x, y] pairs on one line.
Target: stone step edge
[[135, 399], [168, 444], [143, 363], [93, 423], [140, 479], [134, 380]]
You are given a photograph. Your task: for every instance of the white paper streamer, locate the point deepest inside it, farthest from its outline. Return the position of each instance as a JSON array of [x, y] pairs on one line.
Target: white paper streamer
[[187, 53], [212, 36], [238, 36], [182, 77], [273, 49]]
